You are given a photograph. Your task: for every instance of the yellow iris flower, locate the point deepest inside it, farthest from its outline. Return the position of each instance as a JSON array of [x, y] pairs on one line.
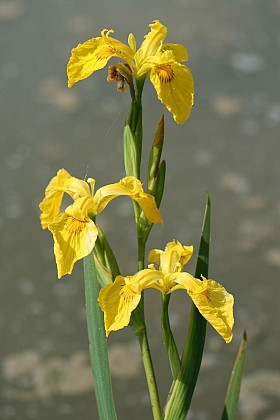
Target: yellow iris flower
[[120, 298], [74, 231], [172, 80]]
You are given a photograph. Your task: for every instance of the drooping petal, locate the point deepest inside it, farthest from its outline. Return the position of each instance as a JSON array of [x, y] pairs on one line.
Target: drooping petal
[[131, 187], [173, 258], [212, 300], [148, 204], [174, 86], [117, 301], [74, 239], [216, 305], [94, 54]]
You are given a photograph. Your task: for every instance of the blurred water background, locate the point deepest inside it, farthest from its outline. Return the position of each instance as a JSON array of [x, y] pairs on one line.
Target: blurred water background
[[229, 147]]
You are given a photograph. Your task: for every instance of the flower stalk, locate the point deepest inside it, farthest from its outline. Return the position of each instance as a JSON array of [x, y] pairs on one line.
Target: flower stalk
[[182, 389], [150, 374], [168, 338]]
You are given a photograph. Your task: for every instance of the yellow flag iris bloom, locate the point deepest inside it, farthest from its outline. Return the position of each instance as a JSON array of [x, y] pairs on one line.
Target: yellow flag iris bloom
[[120, 298], [172, 80], [74, 231]]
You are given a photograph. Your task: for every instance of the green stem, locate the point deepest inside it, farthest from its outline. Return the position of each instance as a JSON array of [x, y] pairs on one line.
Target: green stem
[[133, 139], [141, 250], [182, 389], [150, 374], [134, 121], [143, 340], [169, 342], [133, 134], [136, 208]]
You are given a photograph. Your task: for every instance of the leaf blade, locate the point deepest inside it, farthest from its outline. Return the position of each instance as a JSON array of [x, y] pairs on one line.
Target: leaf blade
[[98, 344], [232, 395]]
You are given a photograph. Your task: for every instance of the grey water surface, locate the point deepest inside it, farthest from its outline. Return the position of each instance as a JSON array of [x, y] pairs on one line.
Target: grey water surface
[[229, 147]]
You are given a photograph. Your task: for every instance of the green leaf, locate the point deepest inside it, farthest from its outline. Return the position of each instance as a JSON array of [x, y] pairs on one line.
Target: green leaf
[[202, 264], [231, 401], [104, 277], [160, 180], [98, 349], [182, 389], [133, 134], [109, 260], [131, 153], [155, 155]]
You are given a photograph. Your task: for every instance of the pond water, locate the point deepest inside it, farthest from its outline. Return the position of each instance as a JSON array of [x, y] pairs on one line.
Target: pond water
[[229, 147]]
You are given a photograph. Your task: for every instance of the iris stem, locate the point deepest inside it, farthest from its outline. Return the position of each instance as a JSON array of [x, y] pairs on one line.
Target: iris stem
[[134, 120], [143, 339], [141, 250], [150, 374], [169, 342]]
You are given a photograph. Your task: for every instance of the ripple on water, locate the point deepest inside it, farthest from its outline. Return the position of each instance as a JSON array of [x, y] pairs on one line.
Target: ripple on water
[[10, 10], [260, 392], [31, 376], [119, 355], [247, 62]]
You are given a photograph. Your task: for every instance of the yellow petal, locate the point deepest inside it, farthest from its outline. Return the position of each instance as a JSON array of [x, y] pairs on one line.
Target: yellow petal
[[146, 201], [147, 278], [150, 278], [174, 85], [173, 258], [74, 239], [131, 187], [149, 207], [103, 196], [62, 183], [50, 205], [132, 42], [94, 54], [117, 301], [82, 207], [212, 300], [76, 188], [188, 282], [179, 51], [152, 43]]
